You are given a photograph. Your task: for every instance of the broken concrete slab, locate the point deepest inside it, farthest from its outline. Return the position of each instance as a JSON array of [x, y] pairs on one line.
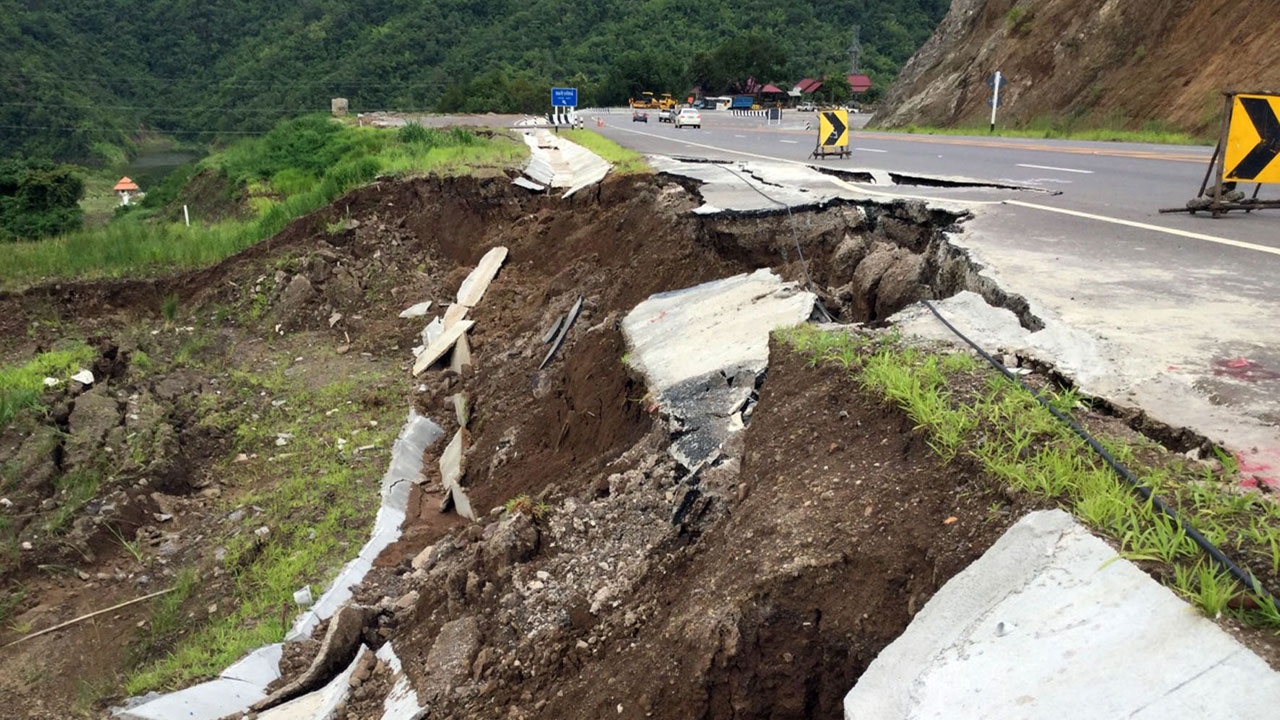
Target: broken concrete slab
[[563, 332], [702, 348], [325, 703], [1051, 623], [555, 162], [451, 460], [441, 345], [244, 683], [401, 702], [461, 359], [207, 701], [461, 502], [473, 288], [416, 311], [336, 650], [415, 437], [454, 314]]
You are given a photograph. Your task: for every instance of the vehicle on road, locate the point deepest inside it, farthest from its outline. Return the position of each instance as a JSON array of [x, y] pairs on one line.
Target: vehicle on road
[[688, 117], [646, 101], [666, 102], [637, 116], [806, 107], [667, 116]]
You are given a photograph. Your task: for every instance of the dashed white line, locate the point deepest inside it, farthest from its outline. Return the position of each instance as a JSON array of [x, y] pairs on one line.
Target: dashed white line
[[740, 136], [1058, 169], [870, 150], [790, 142]]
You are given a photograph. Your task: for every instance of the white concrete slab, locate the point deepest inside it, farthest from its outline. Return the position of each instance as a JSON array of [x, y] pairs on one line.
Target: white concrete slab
[[687, 333], [258, 666], [206, 701], [406, 466], [441, 345], [417, 310], [702, 348], [472, 289], [321, 704], [1051, 624], [402, 700]]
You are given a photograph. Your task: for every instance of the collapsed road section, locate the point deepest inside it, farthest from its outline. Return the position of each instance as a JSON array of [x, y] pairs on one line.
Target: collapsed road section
[[620, 352]]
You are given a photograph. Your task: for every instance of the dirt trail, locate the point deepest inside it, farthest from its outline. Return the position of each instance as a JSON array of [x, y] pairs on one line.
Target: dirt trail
[[626, 592]]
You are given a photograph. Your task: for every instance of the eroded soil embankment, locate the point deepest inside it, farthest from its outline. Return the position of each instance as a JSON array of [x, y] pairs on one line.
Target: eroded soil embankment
[[328, 290]]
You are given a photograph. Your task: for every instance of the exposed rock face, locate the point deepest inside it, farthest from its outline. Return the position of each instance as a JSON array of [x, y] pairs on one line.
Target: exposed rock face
[[1097, 61]]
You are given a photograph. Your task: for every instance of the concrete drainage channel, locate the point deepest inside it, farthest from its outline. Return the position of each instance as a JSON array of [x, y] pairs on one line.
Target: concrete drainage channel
[[689, 572]]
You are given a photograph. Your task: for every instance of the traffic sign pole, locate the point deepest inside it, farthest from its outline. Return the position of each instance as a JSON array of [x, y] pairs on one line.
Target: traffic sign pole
[[995, 100]]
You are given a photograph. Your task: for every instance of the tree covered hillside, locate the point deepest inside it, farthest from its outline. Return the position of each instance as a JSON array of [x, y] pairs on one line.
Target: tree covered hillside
[[79, 78]]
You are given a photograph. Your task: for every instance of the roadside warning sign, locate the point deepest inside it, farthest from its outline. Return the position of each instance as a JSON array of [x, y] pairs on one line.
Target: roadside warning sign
[[833, 134], [833, 128], [1253, 141]]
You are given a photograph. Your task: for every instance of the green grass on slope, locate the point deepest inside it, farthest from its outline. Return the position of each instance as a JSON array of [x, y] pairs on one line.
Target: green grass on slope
[[298, 168]]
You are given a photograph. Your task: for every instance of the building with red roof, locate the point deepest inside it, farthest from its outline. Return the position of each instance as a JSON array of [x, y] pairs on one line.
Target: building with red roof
[[127, 189]]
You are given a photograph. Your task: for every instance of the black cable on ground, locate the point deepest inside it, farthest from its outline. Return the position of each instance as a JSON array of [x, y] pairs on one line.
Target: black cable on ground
[[1244, 576]]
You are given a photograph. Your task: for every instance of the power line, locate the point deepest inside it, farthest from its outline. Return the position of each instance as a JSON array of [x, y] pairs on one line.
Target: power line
[[111, 129], [213, 84]]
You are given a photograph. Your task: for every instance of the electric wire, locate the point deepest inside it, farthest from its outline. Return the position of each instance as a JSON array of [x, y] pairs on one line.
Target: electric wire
[[1245, 577]]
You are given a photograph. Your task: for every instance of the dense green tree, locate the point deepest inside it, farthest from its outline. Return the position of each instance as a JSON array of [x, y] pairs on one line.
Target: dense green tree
[[38, 198], [79, 78]]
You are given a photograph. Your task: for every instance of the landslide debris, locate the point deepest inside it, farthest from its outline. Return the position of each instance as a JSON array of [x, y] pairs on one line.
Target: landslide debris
[[585, 575]]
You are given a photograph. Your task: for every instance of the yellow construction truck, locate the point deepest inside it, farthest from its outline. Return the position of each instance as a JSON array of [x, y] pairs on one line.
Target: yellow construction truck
[[647, 101]]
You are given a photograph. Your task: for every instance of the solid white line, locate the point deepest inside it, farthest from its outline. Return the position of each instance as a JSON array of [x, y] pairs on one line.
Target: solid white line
[[1059, 169], [870, 150], [1145, 226]]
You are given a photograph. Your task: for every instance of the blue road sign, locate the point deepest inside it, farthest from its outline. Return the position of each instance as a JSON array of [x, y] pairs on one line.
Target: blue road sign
[[993, 101], [996, 81], [564, 97]]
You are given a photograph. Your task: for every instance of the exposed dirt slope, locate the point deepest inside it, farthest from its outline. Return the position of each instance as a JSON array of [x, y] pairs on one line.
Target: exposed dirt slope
[[1124, 63]]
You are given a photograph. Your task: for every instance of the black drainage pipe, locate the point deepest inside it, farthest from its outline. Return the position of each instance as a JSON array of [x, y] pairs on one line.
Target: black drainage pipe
[[1245, 577]]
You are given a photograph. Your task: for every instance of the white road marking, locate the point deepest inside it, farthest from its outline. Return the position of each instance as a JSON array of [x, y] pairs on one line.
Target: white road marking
[[740, 136], [870, 150], [1058, 169], [1145, 226], [789, 142]]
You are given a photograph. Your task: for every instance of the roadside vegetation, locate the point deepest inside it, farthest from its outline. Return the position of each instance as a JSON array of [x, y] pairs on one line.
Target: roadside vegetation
[[967, 409], [625, 161], [307, 462], [299, 167], [1155, 134]]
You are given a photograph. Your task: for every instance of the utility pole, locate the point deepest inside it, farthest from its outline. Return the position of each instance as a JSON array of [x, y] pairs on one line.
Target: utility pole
[[855, 50], [995, 84]]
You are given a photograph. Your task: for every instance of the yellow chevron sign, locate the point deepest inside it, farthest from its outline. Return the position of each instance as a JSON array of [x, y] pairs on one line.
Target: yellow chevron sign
[[833, 128], [1253, 141]]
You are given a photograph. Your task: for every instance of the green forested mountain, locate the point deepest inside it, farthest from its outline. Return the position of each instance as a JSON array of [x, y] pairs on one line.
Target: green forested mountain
[[78, 78]]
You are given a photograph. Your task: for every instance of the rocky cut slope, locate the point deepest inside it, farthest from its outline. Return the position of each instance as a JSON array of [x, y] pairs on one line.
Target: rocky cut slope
[[1085, 63]]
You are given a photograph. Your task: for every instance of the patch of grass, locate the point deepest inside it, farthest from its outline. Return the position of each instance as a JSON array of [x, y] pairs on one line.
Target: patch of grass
[[1020, 443], [624, 160], [72, 490], [10, 601], [1056, 130], [528, 506], [169, 308], [21, 386], [317, 494]]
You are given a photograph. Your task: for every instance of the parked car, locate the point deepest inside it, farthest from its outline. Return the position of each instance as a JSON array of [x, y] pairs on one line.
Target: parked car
[[688, 117], [806, 107], [637, 116], [667, 116]]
